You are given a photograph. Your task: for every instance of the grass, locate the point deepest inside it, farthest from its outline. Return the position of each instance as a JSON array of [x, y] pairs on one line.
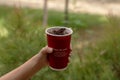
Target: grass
[[22, 36]]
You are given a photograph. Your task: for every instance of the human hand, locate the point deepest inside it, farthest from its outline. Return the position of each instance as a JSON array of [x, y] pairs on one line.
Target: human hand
[[43, 55]]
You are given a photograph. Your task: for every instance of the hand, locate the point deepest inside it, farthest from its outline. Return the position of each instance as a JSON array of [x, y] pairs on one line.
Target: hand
[[43, 55]]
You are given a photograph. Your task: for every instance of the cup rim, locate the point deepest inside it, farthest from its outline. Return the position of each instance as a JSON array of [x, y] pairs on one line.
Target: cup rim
[[71, 31]]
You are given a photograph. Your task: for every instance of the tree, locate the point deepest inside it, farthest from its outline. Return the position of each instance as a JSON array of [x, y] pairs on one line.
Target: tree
[[45, 13], [66, 18]]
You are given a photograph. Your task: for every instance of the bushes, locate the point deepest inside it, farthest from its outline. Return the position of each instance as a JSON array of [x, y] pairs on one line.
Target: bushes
[[25, 37]]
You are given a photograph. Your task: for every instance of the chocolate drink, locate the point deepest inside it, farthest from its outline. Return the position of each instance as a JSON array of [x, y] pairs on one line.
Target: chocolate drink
[[61, 31]]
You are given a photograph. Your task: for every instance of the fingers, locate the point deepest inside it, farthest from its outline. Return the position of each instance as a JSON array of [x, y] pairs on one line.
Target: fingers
[[46, 50]]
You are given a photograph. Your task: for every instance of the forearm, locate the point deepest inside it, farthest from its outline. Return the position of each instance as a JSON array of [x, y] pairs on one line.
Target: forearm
[[26, 70]]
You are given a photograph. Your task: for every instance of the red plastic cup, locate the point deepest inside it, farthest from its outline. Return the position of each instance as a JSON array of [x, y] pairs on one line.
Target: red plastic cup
[[59, 59]]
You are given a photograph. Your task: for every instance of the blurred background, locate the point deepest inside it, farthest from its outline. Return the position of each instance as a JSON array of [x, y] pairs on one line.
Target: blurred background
[[95, 41]]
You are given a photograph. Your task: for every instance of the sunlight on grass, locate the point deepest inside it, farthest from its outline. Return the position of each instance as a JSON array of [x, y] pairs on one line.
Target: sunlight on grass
[[3, 30]]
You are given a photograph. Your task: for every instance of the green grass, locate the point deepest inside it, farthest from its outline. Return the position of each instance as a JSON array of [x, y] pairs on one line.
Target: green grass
[[22, 36]]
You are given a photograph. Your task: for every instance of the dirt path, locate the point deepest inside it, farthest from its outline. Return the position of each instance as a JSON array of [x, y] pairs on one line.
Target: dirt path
[[90, 6]]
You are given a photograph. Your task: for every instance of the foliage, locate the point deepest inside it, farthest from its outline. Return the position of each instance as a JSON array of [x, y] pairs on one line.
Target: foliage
[[24, 37]]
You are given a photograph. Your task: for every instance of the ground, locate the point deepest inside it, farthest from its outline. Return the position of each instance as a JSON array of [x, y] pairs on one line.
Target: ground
[[90, 6]]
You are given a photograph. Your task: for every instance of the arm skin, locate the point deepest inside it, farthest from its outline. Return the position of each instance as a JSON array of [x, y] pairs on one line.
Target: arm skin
[[30, 67]]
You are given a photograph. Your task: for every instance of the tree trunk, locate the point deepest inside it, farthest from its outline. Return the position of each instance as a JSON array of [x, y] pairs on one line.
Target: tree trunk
[[45, 13], [66, 18]]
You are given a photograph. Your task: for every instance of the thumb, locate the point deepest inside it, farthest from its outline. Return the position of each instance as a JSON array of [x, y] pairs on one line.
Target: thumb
[[46, 50]]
